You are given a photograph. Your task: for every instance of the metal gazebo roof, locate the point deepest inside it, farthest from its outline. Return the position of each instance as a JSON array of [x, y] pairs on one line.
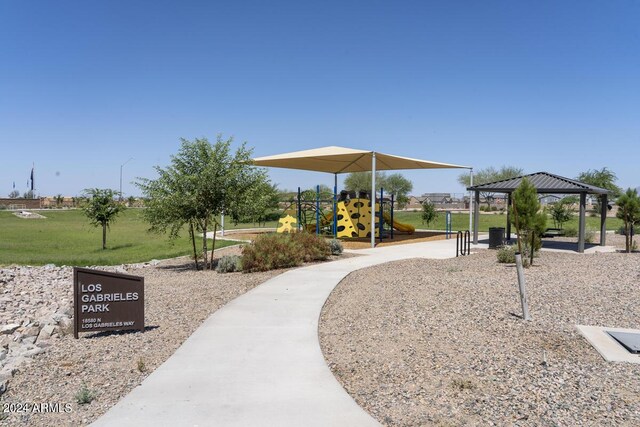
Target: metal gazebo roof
[[544, 182]]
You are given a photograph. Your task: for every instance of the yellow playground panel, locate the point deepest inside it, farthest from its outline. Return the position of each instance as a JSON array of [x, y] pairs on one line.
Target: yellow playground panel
[[287, 224], [353, 219]]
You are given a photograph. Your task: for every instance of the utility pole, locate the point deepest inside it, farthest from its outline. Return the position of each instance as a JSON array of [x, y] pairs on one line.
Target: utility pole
[[121, 166]]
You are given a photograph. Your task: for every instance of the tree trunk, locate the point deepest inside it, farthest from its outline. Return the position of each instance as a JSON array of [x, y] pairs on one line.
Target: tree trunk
[[627, 237], [193, 241], [533, 244], [104, 235], [515, 218], [213, 245], [204, 243]]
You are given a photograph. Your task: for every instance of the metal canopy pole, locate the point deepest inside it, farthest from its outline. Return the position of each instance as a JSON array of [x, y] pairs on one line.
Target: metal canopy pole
[[335, 205], [373, 199], [476, 217], [509, 217], [471, 203]]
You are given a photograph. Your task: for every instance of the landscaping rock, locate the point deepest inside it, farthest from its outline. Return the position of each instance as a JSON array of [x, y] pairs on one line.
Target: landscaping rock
[[177, 300], [9, 329], [440, 342]]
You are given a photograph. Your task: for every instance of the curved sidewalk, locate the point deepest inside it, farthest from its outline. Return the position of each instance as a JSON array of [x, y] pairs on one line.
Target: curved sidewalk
[[257, 361]]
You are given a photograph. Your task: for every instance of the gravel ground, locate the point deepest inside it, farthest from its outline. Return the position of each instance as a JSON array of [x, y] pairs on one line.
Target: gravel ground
[[177, 300], [439, 342]]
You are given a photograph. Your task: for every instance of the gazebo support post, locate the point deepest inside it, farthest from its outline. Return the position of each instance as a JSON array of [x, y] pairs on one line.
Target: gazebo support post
[[373, 199], [470, 199], [581, 226], [476, 217], [508, 217], [603, 219]]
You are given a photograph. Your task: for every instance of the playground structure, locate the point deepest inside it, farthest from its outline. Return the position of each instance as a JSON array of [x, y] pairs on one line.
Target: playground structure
[[348, 215]]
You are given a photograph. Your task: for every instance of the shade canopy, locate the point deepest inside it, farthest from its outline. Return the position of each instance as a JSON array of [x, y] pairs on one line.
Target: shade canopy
[[345, 160]]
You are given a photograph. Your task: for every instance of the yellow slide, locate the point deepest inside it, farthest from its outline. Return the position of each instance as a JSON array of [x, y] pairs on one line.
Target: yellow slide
[[407, 228]]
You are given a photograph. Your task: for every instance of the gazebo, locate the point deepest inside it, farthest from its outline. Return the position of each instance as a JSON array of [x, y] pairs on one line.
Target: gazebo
[[545, 183], [337, 160]]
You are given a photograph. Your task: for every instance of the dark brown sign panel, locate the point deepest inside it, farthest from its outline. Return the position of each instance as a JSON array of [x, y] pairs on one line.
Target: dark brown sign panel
[[106, 301]]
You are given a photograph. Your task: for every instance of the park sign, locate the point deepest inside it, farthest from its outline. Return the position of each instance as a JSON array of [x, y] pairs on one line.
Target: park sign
[[105, 301]]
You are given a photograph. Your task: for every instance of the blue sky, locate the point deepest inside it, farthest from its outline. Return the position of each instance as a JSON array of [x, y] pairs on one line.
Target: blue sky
[[543, 85]]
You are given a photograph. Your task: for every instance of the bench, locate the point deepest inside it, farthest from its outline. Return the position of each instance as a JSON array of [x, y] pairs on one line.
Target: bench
[[553, 232]]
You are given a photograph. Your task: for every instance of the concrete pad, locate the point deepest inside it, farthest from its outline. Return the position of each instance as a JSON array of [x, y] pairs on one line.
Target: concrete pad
[[610, 349]]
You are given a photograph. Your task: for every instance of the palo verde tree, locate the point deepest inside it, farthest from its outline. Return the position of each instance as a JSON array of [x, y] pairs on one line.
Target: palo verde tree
[[603, 178], [102, 209], [202, 181], [629, 212], [487, 175], [530, 223]]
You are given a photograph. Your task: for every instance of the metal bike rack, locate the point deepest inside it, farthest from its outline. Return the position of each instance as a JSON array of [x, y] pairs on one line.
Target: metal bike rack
[[463, 243]]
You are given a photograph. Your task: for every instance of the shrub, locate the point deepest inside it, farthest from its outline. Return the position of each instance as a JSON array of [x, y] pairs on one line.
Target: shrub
[[571, 231], [589, 235], [336, 246], [229, 264], [84, 395], [315, 248], [507, 254], [272, 251]]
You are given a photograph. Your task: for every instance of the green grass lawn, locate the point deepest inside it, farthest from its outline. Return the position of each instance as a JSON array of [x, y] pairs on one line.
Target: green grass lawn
[[66, 238], [460, 221]]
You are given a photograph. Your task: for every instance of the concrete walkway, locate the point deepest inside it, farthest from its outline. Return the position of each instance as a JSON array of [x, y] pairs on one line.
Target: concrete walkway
[[257, 361]]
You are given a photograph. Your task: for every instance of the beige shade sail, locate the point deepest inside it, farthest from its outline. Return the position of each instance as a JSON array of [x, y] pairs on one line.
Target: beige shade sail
[[345, 160]]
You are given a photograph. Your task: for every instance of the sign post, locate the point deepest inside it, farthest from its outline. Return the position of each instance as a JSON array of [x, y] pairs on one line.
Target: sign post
[[105, 301]]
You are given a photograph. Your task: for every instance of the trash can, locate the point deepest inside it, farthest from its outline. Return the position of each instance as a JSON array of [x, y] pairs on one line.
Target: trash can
[[496, 237]]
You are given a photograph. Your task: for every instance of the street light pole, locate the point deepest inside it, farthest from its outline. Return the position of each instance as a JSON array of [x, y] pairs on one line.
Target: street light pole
[[121, 166]]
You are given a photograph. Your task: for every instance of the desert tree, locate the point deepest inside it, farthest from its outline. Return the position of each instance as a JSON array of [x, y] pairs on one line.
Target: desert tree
[[395, 184], [530, 223], [102, 209], [629, 212], [561, 211], [429, 213], [487, 175], [603, 178], [202, 181]]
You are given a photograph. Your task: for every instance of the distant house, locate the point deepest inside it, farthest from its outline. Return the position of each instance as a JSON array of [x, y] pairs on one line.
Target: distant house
[[437, 198], [547, 199]]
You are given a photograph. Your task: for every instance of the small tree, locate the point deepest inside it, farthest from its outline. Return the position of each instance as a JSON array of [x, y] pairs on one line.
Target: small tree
[[102, 209], [59, 199], [429, 213], [487, 175], [629, 212], [527, 218], [395, 184], [603, 178], [561, 212], [14, 194]]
